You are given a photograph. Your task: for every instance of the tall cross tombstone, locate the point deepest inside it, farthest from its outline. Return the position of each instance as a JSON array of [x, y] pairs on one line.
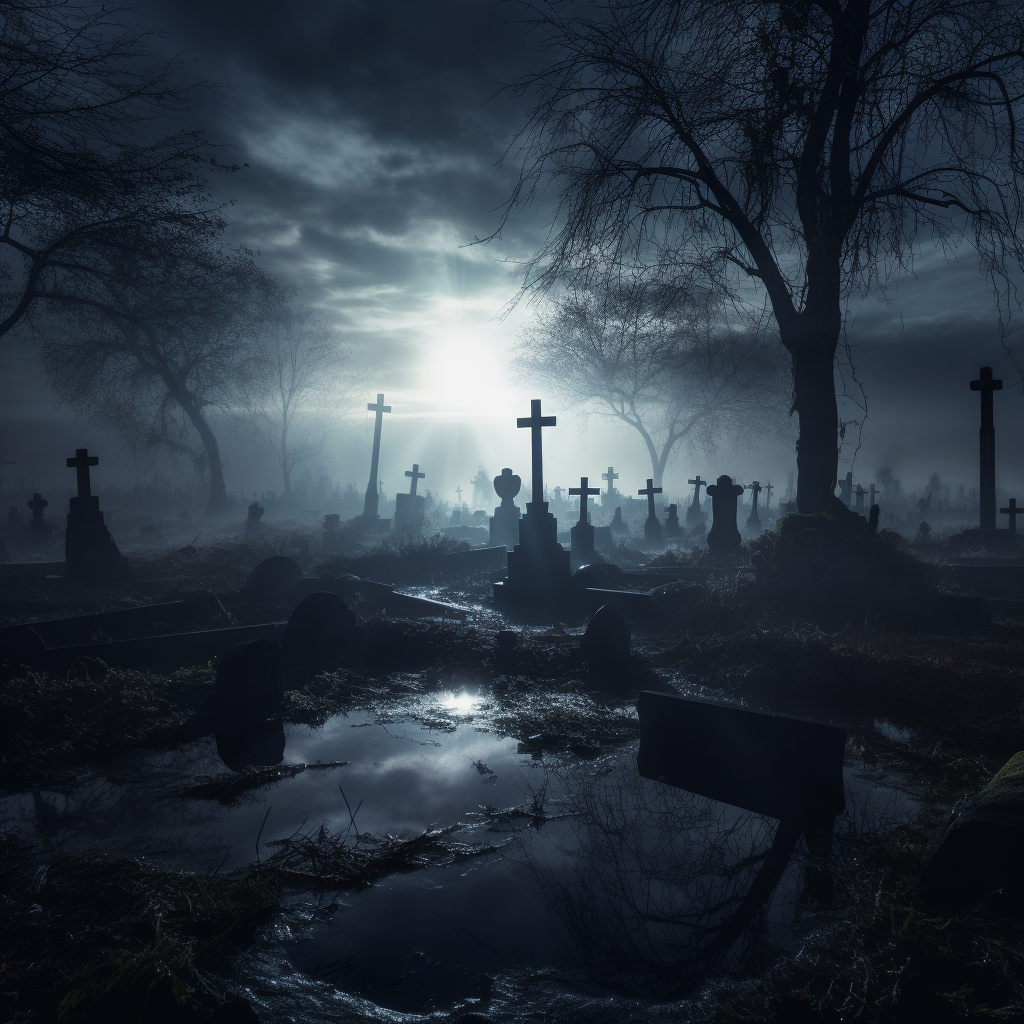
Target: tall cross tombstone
[[89, 549], [504, 524], [768, 488], [873, 493], [371, 501], [581, 536], [611, 476], [753, 520], [538, 566], [1012, 511], [724, 537], [694, 512], [411, 508], [859, 496], [652, 525], [458, 491], [987, 444]]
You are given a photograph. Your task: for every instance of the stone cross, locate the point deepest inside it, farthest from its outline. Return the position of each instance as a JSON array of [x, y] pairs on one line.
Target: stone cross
[[859, 493], [768, 488], [536, 422], [873, 494], [416, 475], [650, 490], [987, 443], [37, 504], [697, 485], [458, 491], [583, 490], [755, 489], [1012, 511], [611, 476], [372, 499], [81, 462]]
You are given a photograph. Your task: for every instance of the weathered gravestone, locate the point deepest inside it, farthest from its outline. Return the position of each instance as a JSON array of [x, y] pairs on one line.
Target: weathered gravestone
[[605, 642], [694, 512], [88, 547], [724, 537], [411, 508], [249, 682], [859, 494], [331, 535], [609, 496], [618, 527], [321, 629], [252, 520], [40, 532], [1012, 511], [652, 527], [581, 536], [538, 566], [673, 531]]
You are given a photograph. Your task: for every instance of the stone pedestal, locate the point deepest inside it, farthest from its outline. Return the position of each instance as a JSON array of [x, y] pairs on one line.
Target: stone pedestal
[[504, 525], [538, 566], [409, 512], [618, 527], [673, 531], [581, 541], [695, 513], [88, 547]]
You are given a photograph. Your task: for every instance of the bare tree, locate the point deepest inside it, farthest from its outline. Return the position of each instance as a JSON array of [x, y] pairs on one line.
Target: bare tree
[[90, 168], [660, 359], [160, 345], [290, 386], [805, 148]]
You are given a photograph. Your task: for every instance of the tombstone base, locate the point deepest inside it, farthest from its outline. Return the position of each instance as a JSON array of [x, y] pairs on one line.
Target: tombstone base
[[89, 549], [409, 512], [581, 541], [504, 526], [370, 526], [652, 531], [538, 566]]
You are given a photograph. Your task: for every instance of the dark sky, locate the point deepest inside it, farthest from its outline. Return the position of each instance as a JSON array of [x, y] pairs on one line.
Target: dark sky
[[372, 134]]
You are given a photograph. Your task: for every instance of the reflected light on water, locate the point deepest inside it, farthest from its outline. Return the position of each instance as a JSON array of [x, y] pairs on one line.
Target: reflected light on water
[[462, 701]]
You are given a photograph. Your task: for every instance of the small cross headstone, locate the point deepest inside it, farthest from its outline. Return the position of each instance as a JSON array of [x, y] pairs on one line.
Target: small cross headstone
[[724, 537], [859, 495], [88, 546], [411, 508], [652, 527], [753, 520], [611, 476], [416, 475], [1012, 511], [504, 524], [768, 488], [581, 536], [694, 512]]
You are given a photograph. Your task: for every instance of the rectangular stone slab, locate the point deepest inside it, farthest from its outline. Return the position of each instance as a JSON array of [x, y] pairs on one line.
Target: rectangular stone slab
[[782, 767]]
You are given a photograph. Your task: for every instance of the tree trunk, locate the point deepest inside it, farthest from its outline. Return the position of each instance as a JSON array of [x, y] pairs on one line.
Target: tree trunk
[[217, 503], [814, 400]]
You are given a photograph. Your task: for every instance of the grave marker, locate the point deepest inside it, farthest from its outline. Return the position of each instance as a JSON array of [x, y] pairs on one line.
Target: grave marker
[[581, 536], [88, 546], [652, 527], [694, 512], [672, 528], [411, 508], [611, 476], [724, 537], [987, 446], [252, 521], [753, 520], [1012, 511], [846, 490], [371, 501], [859, 495], [504, 524]]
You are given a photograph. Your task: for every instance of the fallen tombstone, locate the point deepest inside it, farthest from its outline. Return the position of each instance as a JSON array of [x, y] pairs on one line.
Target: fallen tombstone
[[251, 746], [605, 642], [249, 682], [978, 859], [476, 560], [271, 577], [322, 628], [374, 597]]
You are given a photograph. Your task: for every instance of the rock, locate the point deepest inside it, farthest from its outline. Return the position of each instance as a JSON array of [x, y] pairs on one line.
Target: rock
[[606, 639], [979, 857], [251, 746], [249, 683], [603, 576], [322, 628], [271, 577]]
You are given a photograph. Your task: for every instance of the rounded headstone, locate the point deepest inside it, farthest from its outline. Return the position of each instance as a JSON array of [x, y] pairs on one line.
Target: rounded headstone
[[604, 576], [507, 485], [322, 628], [249, 681], [606, 639], [271, 577], [254, 746]]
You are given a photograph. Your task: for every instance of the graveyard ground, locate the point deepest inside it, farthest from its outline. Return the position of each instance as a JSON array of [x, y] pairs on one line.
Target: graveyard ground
[[93, 930]]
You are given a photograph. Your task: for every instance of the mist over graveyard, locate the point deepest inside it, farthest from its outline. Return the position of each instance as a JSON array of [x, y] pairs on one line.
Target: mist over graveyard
[[511, 512]]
